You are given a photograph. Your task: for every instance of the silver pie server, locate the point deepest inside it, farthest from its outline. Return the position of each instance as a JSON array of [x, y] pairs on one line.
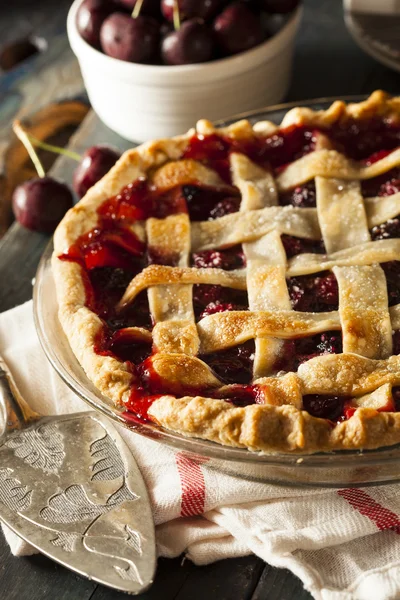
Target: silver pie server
[[70, 487]]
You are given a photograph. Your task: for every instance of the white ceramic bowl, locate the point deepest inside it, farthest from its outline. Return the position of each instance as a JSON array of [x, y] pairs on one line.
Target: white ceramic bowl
[[143, 102]]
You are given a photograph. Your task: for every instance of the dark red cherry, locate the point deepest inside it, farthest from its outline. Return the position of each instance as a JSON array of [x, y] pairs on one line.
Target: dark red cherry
[[241, 395], [279, 6], [165, 28], [294, 246], [189, 9], [234, 365], [192, 43], [219, 259], [225, 207], [40, 204], [302, 196], [149, 8], [324, 407], [392, 272], [396, 342], [216, 307], [237, 29], [95, 163], [133, 40], [314, 293], [90, 18], [389, 229]]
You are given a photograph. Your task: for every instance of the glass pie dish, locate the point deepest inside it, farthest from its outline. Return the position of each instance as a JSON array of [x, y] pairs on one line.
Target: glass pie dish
[[333, 469]]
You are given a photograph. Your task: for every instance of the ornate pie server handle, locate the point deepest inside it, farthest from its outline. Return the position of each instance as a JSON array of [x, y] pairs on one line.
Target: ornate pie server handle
[[70, 486], [16, 412]]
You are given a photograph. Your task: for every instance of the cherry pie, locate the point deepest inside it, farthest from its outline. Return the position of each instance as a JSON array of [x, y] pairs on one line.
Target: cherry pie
[[242, 284]]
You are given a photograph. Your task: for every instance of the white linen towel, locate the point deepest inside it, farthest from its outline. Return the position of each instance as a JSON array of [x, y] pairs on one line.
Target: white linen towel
[[343, 544]]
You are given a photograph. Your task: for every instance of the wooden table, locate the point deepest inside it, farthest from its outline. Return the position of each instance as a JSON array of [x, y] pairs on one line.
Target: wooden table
[[327, 63]]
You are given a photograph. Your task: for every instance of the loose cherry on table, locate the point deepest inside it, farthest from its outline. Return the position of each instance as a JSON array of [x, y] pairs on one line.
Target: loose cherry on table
[[90, 17], [191, 43], [94, 164], [40, 203], [237, 29], [132, 40]]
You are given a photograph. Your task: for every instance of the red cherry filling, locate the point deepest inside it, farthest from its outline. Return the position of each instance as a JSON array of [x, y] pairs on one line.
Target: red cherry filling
[[276, 150], [211, 150], [108, 285], [390, 229], [325, 407], [230, 259], [205, 204], [209, 299], [297, 351], [155, 257], [123, 345], [118, 248], [138, 201], [234, 365], [288, 145], [303, 196], [360, 138], [240, 395], [216, 307], [396, 397], [136, 314], [392, 272], [138, 405], [225, 207], [294, 246], [310, 293], [383, 185], [396, 342]]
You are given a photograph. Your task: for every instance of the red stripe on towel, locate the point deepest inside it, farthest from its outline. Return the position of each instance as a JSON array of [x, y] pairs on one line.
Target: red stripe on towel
[[367, 506], [193, 490]]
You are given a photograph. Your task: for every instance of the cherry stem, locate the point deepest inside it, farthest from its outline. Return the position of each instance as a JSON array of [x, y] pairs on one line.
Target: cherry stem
[[176, 16], [56, 149], [137, 8], [24, 138]]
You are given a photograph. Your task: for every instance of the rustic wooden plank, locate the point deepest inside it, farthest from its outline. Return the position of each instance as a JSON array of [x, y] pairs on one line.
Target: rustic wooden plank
[[170, 576], [279, 584], [37, 577], [229, 579], [20, 251]]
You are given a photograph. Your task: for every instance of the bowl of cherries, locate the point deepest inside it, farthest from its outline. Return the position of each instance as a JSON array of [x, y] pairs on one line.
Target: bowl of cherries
[[153, 67]]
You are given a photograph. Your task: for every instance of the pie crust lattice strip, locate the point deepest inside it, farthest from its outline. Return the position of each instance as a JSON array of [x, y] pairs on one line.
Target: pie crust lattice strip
[[341, 396]]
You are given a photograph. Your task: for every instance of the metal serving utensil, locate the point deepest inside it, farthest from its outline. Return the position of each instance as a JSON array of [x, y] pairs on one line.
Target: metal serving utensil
[[70, 487]]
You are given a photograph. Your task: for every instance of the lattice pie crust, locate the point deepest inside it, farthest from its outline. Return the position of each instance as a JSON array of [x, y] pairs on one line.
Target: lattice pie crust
[[365, 371]]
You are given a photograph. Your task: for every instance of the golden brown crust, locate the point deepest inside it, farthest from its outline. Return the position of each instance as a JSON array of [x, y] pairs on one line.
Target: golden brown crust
[[279, 425]]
